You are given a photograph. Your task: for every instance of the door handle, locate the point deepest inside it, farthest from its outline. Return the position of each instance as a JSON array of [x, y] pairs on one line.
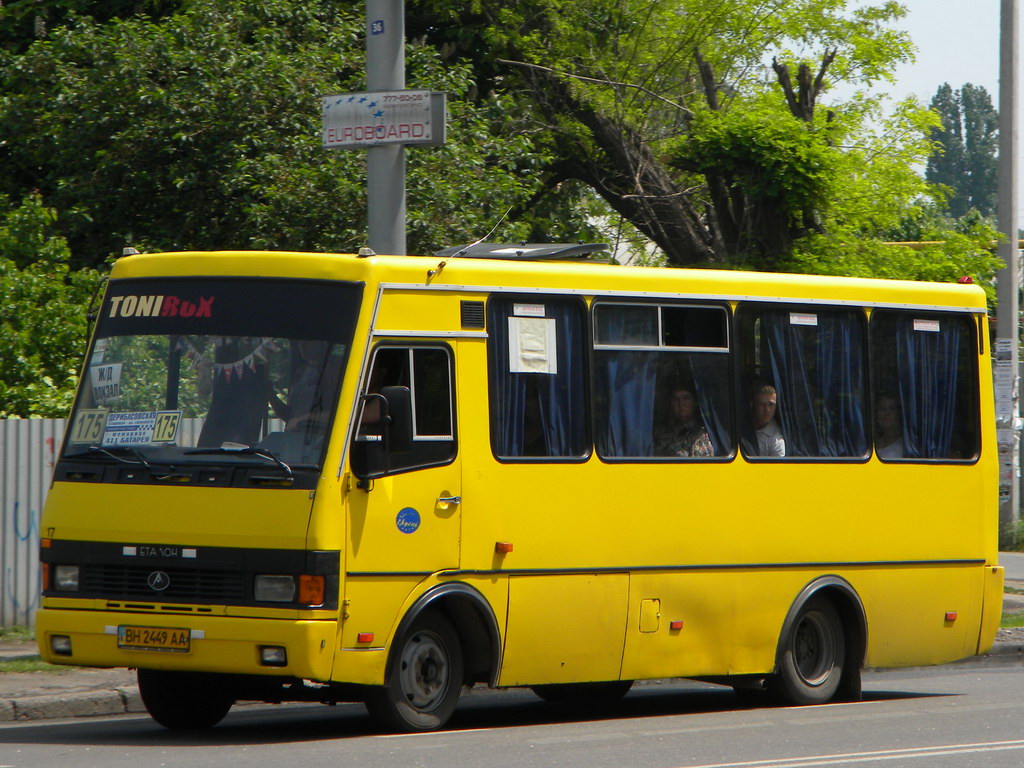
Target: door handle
[[449, 499]]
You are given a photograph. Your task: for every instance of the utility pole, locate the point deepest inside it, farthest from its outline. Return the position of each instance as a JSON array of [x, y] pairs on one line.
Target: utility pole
[[1007, 356], [385, 71]]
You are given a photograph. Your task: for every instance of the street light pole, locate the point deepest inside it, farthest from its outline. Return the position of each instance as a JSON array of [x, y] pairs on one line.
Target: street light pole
[[1007, 315], [385, 71]]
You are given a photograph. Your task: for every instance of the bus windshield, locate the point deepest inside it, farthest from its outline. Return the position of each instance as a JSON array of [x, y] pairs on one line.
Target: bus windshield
[[192, 370]]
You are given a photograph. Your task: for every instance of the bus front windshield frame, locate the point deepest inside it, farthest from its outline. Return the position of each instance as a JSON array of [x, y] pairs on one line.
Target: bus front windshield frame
[[187, 371]]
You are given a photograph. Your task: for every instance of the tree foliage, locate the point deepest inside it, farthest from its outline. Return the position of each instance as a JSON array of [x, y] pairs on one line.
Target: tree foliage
[[671, 111], [200, 130], [43, 306], [967, 144]]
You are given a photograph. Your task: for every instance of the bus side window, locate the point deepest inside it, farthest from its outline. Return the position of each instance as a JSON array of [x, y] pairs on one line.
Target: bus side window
[[536, 375], [805, 381], [924, 384], [427, 372], [662, 381]]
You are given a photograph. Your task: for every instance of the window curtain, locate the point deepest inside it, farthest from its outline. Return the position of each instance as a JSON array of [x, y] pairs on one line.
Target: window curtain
[[628, 381], [818, 373], [927, 363], [560, 397], [711, 380]]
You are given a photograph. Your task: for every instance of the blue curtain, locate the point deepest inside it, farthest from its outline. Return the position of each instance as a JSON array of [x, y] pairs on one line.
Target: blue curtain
[[560, 398], [927, 365], [711, 380], [628, 381], [818, 373]]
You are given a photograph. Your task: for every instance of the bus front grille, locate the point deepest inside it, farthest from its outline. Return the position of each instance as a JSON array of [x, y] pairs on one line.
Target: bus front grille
[[195, 585]]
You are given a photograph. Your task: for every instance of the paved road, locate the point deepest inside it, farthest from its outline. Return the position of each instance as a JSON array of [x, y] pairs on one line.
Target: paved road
[[947, 717]]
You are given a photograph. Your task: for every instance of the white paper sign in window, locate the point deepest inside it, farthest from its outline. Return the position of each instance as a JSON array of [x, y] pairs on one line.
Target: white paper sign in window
[[802, 318], [106, 382], [528, 310], [928, 326], [532, 345]]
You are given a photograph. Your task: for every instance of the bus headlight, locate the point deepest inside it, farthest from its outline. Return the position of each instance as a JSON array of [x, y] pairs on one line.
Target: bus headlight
[[275, 589], [65, 578]]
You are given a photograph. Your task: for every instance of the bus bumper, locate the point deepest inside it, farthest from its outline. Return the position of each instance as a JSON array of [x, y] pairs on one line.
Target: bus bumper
[[992, 612], [214, 644]]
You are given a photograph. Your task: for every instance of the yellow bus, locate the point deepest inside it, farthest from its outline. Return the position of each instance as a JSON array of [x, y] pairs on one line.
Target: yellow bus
[[319, 477]]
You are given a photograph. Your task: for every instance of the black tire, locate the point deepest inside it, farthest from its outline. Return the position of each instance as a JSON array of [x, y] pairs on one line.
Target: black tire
[[584, 693], [424, 678], [811, 661], [184, 700]]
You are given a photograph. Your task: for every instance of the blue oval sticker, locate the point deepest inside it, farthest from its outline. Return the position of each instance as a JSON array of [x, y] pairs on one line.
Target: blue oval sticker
[[407, 520]]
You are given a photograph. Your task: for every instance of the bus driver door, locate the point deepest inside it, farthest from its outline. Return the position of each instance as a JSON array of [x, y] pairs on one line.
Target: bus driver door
[[405, 511]]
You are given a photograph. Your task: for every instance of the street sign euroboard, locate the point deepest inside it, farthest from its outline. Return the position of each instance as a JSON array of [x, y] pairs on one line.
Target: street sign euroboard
[[360, 120]]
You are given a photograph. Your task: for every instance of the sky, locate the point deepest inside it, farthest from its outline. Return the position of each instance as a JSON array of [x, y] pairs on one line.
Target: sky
[[957, 42]]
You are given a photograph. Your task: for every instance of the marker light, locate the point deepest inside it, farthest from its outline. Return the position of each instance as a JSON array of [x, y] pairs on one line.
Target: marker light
[[311, 589]]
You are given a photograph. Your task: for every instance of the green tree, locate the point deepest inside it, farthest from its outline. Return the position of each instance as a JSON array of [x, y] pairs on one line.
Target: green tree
[[667, 110], [43, 305], [200, 130], [966, 149]]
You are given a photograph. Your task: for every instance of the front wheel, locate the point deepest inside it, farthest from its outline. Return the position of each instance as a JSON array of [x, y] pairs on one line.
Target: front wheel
[[424, 677], [184, 700], [811, 663]]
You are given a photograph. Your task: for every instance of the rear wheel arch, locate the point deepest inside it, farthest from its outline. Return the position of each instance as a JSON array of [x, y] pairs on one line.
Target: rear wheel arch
[[842, 596]]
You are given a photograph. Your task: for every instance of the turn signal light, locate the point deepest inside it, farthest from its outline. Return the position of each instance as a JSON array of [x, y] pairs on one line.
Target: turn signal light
[[311, 589]]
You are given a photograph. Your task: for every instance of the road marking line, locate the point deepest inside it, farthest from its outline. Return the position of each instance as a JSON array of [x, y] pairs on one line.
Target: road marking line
[[865, 757]]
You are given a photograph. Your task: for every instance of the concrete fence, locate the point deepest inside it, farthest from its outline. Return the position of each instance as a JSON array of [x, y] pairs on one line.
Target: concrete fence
[[28, 450]]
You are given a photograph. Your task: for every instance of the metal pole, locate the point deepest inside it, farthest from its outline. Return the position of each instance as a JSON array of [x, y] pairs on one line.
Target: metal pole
[[385, 71], [1007, 322]]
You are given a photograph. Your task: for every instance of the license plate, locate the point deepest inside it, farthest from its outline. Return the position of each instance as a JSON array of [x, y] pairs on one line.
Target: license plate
[[153, 638]]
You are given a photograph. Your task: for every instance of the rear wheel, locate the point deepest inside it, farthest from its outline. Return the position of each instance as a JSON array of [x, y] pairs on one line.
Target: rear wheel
[[184, 700], [424, 678], [584, 693], [811, 664]]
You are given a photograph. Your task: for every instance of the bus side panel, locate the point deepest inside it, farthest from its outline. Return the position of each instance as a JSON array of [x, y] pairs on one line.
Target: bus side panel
[[730, 622], [921, 616], [564, 628]]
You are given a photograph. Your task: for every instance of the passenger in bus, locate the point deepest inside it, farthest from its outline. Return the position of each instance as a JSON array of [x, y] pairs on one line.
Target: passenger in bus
[[684, 434], [768, 439], [888, 427]]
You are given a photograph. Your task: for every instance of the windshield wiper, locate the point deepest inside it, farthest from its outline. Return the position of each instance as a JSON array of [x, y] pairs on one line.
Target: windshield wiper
[[116, 452], [264, 453]]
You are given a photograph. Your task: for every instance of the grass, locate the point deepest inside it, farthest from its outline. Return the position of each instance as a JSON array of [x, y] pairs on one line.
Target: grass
[[1014, 619], [16, 633], [28, 665]]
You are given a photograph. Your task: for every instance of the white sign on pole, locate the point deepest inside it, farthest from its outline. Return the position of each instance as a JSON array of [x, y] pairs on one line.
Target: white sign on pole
[[360, 120]]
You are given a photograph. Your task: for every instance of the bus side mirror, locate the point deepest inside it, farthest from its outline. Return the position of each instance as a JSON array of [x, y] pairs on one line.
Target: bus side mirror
[[398, 420]]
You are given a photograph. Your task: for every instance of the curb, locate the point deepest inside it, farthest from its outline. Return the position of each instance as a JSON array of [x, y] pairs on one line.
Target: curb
[[118, 701]]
